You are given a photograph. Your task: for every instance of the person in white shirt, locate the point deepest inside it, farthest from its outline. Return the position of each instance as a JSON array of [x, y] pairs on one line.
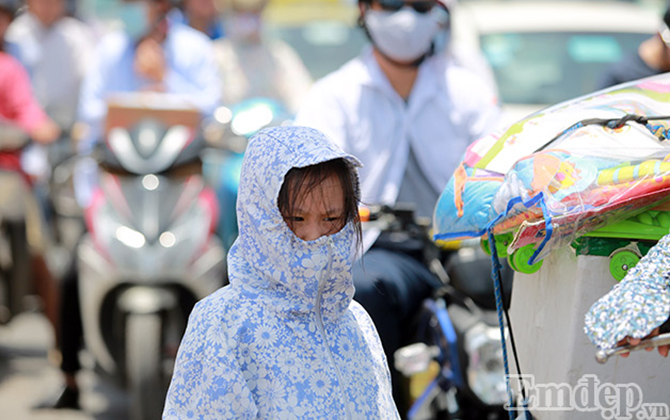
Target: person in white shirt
[[408, 114], [56, 50], [253, 66]]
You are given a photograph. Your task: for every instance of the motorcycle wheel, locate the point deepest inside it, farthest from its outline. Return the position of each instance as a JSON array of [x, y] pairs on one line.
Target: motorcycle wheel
[[144, 366]]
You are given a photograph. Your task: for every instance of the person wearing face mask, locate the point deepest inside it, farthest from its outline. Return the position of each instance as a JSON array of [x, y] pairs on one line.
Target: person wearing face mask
[[252, 66], [408, 113], [150, 53]]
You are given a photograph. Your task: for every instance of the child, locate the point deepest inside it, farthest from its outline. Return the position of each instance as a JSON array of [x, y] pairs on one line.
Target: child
[[285, 339]]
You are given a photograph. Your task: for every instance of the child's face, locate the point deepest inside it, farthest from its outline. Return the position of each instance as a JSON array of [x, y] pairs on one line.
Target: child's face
[[320, 213]]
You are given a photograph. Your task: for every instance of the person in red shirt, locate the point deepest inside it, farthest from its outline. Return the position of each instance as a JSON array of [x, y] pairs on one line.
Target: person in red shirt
[[18, 106], [17, 103], [21, 116]]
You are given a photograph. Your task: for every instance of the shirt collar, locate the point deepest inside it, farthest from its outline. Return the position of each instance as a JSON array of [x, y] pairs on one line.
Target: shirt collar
[[373, 76]]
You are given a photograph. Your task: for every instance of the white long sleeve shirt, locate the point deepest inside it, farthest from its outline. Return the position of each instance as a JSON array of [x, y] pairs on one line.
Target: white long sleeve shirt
[[356, 106], [56, 58]]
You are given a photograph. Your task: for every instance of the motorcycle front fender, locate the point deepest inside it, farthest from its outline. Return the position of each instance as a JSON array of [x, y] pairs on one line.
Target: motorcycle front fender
[[147, 300]]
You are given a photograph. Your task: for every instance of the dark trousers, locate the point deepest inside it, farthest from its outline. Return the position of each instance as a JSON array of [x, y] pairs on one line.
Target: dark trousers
[[391, 286], [70, 322]]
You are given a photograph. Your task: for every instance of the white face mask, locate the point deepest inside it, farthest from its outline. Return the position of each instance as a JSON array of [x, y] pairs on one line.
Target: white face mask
[[405, 35], [245, 26]]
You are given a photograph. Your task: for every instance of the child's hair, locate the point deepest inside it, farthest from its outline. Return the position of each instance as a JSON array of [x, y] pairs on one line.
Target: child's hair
[[298, 181]]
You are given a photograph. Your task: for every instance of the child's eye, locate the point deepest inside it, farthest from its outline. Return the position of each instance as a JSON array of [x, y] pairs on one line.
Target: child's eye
[[296, 218], [333, 219]]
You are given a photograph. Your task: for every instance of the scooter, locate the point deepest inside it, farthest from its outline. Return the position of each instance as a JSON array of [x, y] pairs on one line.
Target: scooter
[[454, 365], [227, 134], [149, 254]]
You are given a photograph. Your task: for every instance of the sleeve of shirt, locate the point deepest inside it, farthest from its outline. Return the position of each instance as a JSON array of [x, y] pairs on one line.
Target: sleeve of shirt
[[636, 305], [21, 103], [200, 80], [322, 110], [92, 107], [207, 382]]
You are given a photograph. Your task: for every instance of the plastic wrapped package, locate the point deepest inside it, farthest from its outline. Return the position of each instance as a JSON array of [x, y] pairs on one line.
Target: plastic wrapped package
[[565, 171]]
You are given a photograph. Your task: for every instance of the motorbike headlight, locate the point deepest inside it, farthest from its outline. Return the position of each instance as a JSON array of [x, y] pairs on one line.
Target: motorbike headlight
[[486, 373], [130, 237]]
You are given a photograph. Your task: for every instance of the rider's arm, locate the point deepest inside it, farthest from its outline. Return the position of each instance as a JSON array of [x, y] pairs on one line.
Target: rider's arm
[[20, 106], [18, 103]]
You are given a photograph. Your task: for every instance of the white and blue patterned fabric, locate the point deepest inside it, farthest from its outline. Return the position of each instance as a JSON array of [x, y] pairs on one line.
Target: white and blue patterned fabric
[[284, 340], [635, 306]]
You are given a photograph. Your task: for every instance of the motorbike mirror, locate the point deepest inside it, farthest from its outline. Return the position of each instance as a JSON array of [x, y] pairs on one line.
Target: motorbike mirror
[[218, 131], [415, 358]]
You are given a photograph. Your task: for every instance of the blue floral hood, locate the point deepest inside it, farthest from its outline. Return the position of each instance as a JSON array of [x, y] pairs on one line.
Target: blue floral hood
[[267, 256], [284, 339]]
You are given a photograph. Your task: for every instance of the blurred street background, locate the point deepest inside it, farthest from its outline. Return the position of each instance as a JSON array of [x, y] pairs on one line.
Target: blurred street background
[[535, 53], [27, 377]]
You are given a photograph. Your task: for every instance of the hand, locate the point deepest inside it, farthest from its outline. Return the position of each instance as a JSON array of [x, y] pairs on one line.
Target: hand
[[150, 60], [662, 350], [46, 132]]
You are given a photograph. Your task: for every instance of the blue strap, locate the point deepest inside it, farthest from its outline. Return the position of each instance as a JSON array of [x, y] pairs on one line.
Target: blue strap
[[497, 287]]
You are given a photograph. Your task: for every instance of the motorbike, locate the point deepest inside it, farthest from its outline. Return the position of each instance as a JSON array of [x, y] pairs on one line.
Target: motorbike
[[148, 255], [17, 205], [453, 365], [227, 135]]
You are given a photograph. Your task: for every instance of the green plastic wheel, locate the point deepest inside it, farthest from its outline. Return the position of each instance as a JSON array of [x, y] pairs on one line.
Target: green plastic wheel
[[484, 243], [621, 262], [519, 260], [645, 219], [502, 242], [664, 219]]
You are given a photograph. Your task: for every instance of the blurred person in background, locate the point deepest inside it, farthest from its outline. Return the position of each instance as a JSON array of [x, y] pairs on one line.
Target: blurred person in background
[[18, 105], [19, 110], [652, 57], [56, 49], [408, 113], [150, 54], [203, 15], [253, 66]]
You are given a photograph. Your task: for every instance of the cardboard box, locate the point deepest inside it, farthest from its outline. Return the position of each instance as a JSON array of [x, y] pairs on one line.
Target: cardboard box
[[125, 110]]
